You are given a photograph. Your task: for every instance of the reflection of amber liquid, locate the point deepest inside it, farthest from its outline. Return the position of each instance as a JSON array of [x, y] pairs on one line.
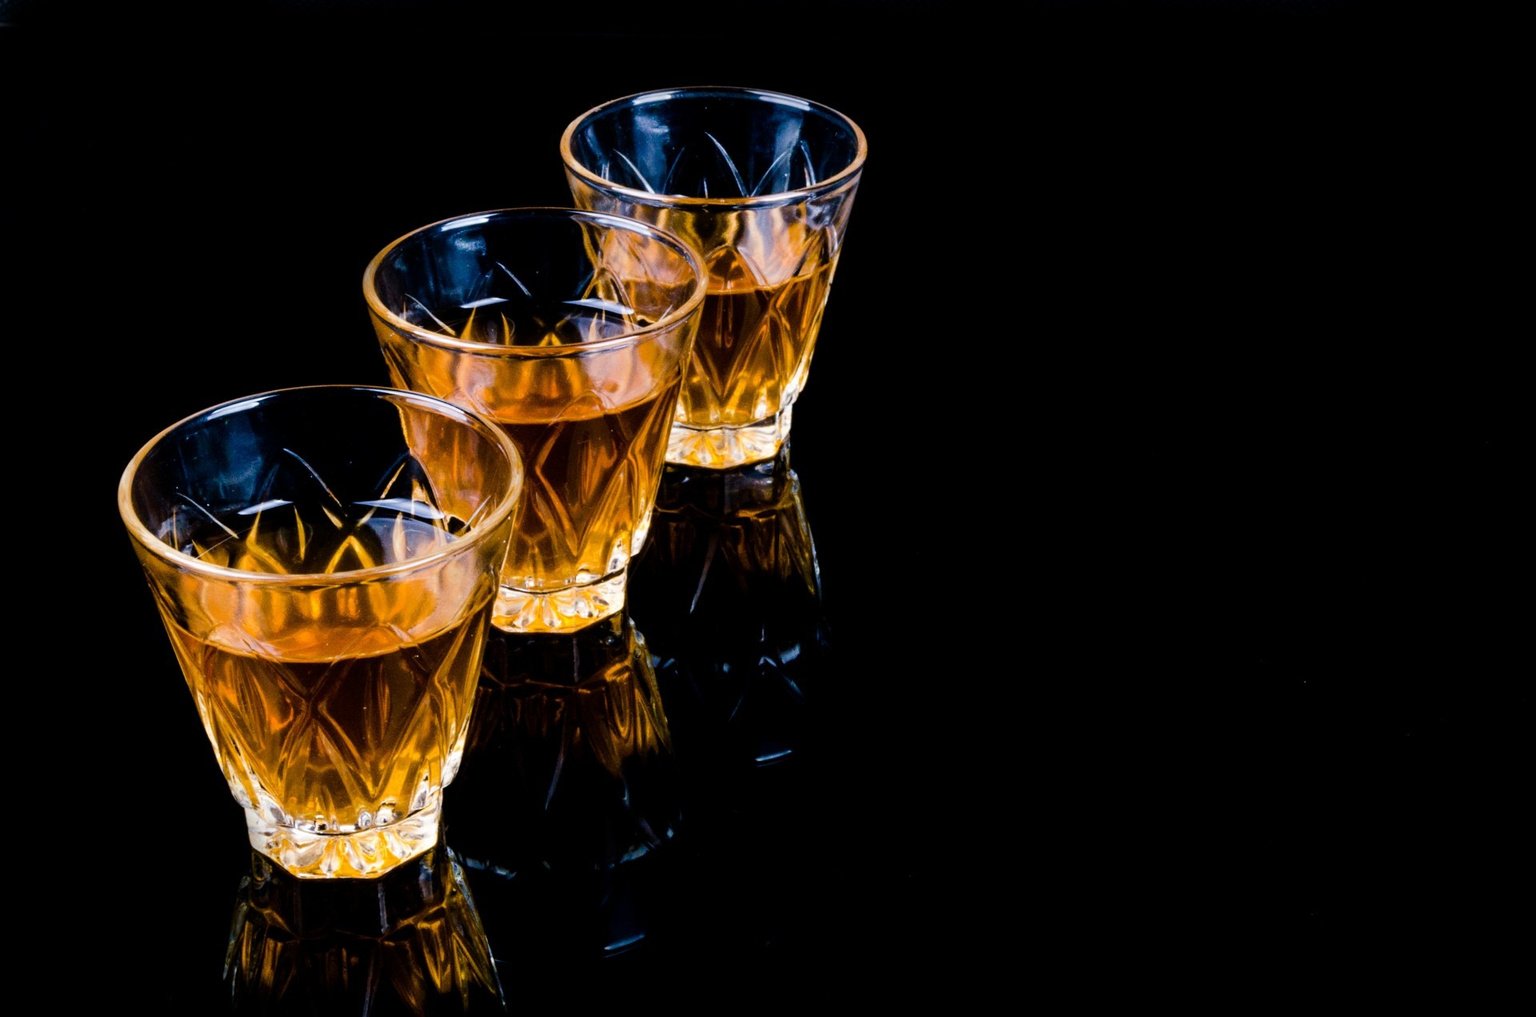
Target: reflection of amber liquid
[[334, 712], [410, 942], [569, 759], [754, 345], [729, 593], [569, 796]]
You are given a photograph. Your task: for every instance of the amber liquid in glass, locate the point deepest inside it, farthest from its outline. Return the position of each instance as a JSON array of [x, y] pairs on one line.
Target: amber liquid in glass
[[591, 428], [332, 712], [754, 346], [592, 472]]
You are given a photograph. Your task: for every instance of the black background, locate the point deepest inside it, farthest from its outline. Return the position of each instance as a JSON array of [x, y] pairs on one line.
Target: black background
[[1158, 450]]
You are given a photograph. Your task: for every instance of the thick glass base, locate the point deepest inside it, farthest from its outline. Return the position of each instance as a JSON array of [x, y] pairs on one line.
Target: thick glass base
[[353, 854], [720, 448], [560, 610]]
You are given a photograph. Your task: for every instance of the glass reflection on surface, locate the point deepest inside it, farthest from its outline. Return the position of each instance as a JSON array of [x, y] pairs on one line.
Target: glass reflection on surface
[[568, 790], [729, 593], [409, 942]]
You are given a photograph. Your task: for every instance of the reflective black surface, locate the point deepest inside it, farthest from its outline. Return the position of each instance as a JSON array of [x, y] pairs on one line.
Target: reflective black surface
[[1159, 454]]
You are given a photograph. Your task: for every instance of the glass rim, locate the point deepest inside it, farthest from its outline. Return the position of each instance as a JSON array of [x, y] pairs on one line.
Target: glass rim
[[479, 533], [842, 176], [665, 323]]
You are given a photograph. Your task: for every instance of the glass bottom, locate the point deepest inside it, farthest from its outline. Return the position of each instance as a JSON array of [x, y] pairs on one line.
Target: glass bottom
[[560, 610], [360, 854], [720, 448]]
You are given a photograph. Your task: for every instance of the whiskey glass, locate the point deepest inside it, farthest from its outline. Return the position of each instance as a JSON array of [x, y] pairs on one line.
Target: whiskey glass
[[571, 330], [761, 185], [325, 561]]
